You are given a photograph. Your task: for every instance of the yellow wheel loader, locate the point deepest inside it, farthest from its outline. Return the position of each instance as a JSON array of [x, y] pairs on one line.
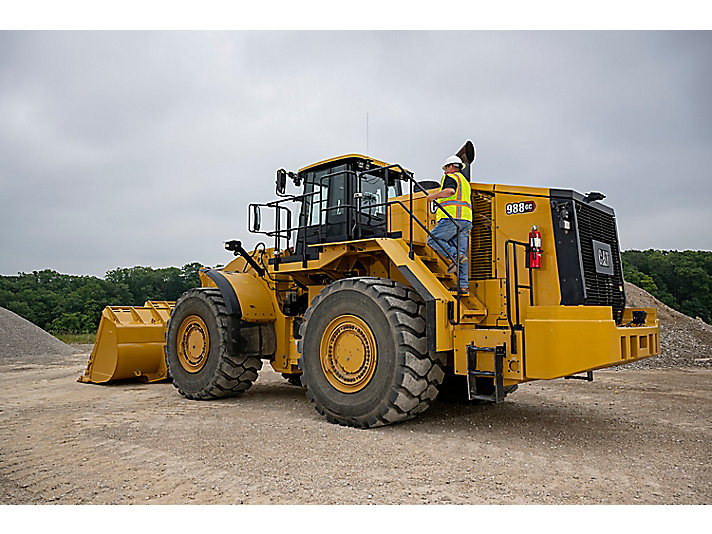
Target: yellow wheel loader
[[352, 303]]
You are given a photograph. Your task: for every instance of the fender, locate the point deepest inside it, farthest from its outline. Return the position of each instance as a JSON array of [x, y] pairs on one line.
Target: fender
[[246, 296]]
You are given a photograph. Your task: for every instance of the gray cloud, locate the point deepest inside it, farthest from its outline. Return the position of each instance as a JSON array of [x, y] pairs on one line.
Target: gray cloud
[[127, 148]]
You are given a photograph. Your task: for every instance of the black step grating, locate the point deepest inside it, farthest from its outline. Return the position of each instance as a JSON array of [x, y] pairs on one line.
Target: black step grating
[[601, 289]]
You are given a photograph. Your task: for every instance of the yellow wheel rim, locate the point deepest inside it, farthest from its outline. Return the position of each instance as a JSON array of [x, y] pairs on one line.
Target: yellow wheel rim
[[193, 343], [348, 353]]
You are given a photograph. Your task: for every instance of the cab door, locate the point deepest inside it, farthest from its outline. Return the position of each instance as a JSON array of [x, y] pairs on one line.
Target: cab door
[[325, 210]]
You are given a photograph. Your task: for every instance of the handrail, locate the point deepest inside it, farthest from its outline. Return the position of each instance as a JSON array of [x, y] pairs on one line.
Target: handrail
[[284, 233], [517, 286], [412, 182]]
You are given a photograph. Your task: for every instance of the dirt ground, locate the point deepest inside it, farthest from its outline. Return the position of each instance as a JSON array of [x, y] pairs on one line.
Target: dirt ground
[[631, 436]]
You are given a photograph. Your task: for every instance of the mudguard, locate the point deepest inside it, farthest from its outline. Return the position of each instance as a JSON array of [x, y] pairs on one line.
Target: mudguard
[[246, 295]]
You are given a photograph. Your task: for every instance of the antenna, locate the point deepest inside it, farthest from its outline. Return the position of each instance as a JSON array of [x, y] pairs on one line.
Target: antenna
[[367, 133]]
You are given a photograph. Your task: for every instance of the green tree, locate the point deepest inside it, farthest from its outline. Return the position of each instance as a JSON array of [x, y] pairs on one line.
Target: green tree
[[64, 303], [680, 279]]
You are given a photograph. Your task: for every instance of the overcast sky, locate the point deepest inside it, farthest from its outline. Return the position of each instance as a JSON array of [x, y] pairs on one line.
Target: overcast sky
[[131, 148]]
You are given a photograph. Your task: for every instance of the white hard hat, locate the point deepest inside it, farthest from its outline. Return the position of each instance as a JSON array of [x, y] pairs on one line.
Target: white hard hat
[[453, 160]]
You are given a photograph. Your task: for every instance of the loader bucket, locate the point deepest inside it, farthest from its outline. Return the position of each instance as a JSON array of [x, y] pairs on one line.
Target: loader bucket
[[129, 344]]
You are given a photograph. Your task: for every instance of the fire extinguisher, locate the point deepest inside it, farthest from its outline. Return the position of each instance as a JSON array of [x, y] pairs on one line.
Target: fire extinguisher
[[535, 248]]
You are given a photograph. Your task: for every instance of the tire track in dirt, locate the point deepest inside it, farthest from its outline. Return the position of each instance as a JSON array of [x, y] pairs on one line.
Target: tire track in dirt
[[39, 465], [552, 442]]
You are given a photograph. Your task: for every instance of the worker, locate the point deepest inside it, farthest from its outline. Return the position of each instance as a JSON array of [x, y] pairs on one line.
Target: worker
[[454, 199]]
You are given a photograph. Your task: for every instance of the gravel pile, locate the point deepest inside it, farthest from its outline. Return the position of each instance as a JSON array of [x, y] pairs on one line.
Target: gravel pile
[[684, 341], [22, 340]]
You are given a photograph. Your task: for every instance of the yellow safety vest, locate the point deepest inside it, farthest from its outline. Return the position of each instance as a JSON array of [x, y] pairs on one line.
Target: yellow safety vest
[[458, 206]]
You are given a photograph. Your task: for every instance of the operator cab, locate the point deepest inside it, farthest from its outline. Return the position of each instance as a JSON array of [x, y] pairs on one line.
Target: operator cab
[[341, 203]]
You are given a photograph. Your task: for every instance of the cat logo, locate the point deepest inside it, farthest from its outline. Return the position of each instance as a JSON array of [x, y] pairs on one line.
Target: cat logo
[[604, 258], [602, 253]]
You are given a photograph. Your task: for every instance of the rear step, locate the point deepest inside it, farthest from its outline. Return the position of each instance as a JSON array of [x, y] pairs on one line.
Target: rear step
[[500, 390]]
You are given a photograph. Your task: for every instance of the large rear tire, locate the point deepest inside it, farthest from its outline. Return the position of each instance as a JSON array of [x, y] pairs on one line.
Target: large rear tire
[[364, 353], [205, 351]]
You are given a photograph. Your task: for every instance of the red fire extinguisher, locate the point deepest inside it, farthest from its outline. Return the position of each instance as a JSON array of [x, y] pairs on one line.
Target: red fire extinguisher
[[535, 248]]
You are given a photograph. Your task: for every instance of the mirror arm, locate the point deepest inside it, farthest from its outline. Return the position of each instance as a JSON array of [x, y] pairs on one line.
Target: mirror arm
[[236, 248]]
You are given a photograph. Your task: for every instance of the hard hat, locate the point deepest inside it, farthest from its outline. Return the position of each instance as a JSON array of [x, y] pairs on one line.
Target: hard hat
[[453, 160]]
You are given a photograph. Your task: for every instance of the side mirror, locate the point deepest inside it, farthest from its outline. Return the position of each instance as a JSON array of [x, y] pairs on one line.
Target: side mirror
[[255, 218], [281, 181]]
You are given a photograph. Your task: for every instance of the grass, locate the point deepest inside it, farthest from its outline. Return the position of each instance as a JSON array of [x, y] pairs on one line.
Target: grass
[[77, 338]]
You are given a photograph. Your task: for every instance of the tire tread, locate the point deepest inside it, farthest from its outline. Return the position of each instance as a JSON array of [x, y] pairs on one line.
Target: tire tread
[[418, 373], [235, 373]]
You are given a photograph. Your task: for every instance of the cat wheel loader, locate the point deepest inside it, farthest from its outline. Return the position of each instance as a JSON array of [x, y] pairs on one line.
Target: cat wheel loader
[[352, 304]]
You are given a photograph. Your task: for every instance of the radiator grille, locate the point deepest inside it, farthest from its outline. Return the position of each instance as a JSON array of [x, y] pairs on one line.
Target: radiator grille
[[601, 289], [481, 244]]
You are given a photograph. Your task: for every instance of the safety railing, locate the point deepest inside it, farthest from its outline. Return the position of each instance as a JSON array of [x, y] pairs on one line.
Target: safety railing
[[413, 219], [283, 234], [352, 212], [514, 327]]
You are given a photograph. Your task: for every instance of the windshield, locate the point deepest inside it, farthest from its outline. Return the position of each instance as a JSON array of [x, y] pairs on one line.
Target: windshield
[[325, 194]]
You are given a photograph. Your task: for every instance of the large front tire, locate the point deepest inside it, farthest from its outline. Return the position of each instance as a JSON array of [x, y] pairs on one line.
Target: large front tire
[[205, 351], [364, 353]]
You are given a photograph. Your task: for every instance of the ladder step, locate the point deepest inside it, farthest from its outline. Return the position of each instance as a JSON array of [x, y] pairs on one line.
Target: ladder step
[[471, 311], [481, 373], [488, 398], [499, 352]]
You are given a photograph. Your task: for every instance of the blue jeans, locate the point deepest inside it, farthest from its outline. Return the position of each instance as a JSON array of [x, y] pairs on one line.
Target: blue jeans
[[444, 242]]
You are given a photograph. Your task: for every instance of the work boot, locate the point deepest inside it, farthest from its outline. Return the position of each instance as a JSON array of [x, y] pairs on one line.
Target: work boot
[[464, 291], [453, 266]]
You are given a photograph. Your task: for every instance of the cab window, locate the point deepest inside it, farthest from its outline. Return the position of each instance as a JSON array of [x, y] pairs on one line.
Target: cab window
[[325, 191]]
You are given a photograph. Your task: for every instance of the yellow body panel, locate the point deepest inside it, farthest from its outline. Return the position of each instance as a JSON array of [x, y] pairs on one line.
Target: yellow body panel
[[286, 358], [564, 340], [464, 335], [256, 299], [491, 293], [399, 219], [517, 227], [560, 341]]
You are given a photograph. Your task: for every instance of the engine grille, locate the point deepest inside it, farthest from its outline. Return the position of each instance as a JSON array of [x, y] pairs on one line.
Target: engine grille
[[481, 245], [601, 289]]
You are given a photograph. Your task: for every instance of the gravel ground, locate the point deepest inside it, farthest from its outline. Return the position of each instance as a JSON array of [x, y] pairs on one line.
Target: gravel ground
[[631, 436], [639, 434]]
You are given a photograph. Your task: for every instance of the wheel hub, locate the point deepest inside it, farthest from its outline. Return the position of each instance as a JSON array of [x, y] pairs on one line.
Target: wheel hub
[[348, 353], [193, 343]]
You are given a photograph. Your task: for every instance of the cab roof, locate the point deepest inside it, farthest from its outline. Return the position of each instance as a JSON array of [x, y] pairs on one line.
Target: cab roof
[[344, 158]]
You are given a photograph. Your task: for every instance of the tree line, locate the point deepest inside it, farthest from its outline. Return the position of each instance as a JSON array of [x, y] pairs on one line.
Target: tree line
[[680, 279], [69, 304]]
